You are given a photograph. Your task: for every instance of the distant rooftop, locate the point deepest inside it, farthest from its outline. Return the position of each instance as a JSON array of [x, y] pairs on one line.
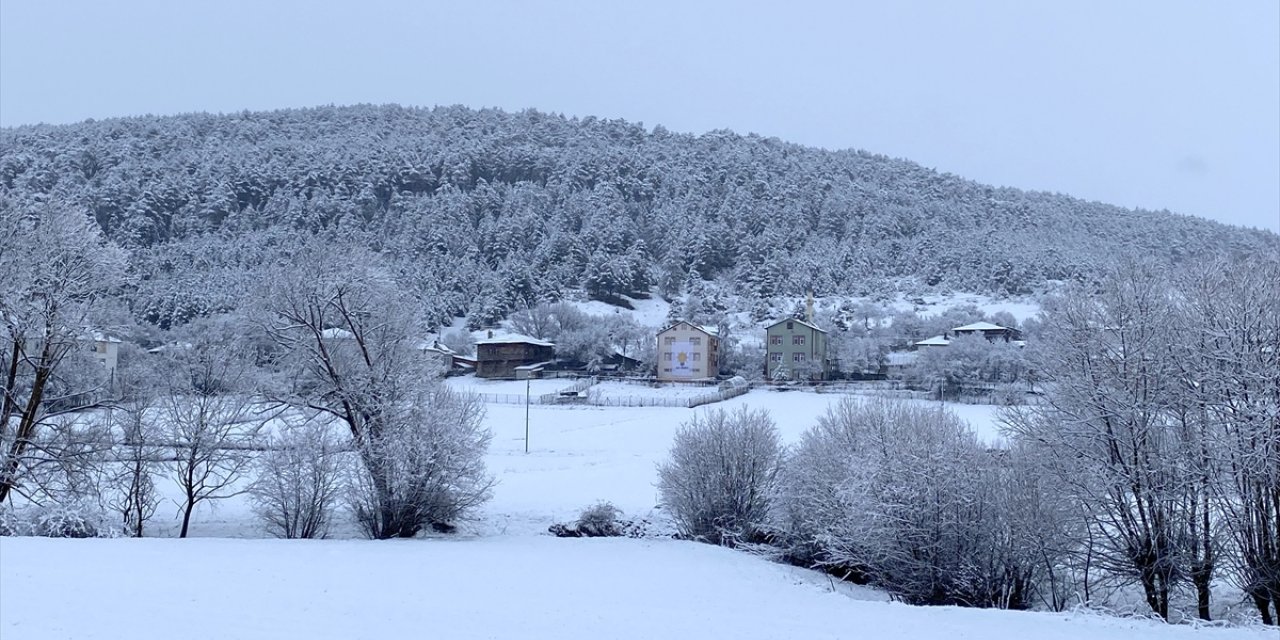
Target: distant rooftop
[[981, 326], [936, 341], [798, 321], [711, 331], [516, 338]]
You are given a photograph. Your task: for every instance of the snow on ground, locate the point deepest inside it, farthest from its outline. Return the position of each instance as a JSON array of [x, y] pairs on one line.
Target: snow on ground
[[507, 387], [502, 576], [648, 312], [1020, 309], [638, 390], [580, 455], [494, 587]]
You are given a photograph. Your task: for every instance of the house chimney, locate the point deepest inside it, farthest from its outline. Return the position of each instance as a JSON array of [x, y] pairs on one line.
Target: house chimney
[[808, 309]]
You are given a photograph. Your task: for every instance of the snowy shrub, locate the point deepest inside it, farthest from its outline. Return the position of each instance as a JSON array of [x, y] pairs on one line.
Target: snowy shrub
[[901, 495], [425, 467], [58, 521], [600, 519], [720, 478], [603, 520], [9, 524], [73, 522], [299, 479]]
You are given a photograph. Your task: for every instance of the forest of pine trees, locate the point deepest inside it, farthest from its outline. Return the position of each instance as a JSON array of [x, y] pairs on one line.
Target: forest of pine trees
[[486, 211]]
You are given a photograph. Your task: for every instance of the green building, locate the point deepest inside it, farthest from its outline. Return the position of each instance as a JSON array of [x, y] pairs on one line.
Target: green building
[[796, 350]]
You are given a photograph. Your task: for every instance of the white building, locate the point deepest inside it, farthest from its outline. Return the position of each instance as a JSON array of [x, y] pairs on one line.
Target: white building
[[688, 352]]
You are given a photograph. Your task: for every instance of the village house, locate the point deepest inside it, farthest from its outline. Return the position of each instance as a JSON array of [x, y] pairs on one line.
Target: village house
[[688, 352], [442, 355], [106, 350], [797, 349], [992, 332], [512, 356], [935, 341]]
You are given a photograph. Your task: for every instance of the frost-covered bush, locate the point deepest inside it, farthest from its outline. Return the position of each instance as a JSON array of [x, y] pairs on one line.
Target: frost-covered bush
[[58, 521], [904, 496], [425, 466], [600, 519], [720, 478], [299, 481]]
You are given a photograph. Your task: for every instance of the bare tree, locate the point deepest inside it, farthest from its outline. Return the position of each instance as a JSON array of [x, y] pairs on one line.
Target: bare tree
[[212, 424], [299, 479], [55, 268], [1229, 354], [720, 479], [1106, 415], [349, 334], [139, 458]]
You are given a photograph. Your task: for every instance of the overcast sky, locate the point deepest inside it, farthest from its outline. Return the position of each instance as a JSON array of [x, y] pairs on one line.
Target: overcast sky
[[1160, 105]]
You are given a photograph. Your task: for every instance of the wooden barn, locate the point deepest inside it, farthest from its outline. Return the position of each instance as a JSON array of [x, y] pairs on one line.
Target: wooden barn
[[501, 357]]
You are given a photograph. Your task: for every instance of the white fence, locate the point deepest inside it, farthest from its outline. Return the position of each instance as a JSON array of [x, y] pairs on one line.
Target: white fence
[[579, 392], [567, 394]]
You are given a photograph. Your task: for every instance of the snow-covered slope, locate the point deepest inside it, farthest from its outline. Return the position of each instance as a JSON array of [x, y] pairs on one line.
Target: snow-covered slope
[[498, 587]]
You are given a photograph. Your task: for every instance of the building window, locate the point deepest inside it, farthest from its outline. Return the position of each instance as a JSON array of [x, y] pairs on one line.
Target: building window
[[797, 339], [669, 340], [667, 370], [775, 339], [695, 341], [697, 370], [797, 357], [789, 326], [666, 355], [776, 356], [697, 355]]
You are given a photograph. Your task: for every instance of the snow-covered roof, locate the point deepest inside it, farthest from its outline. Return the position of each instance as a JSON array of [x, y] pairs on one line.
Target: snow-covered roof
[[336, 334], [981, 326], [711, 331], [535, 367], [434, 345], [99, 336], [797, 321], [936, 341], [516, 338]]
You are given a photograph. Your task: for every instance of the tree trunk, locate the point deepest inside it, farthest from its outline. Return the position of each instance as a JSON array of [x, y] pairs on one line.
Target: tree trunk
[[186, 517], [8, 404], [1263, 604], [1201, 576], [26, 431]]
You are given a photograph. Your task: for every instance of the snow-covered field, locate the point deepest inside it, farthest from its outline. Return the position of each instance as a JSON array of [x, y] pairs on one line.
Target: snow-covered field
[[501, 576], [507, 387], [488, 587]]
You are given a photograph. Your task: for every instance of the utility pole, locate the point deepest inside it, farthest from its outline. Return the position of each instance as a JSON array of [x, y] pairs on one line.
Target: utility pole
[[527, 383]]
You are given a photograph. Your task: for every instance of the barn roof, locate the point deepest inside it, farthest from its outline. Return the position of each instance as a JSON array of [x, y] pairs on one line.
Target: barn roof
[[936, 341]]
